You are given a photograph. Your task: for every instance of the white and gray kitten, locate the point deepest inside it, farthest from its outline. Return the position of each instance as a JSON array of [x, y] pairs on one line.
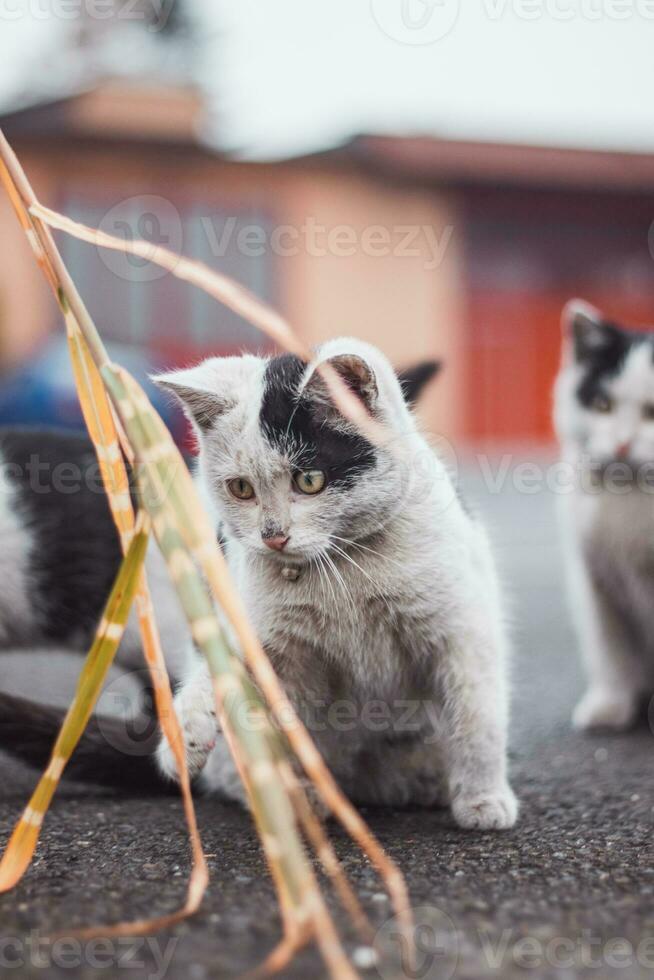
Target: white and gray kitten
[[604, 416], [373, 591]]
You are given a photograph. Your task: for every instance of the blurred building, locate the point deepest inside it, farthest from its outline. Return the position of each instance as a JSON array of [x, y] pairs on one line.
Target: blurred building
[[426, 247]]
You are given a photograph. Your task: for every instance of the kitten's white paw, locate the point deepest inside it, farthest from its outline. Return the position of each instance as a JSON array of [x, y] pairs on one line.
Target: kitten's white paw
[[488, 811], [199, 730], [608, 710]]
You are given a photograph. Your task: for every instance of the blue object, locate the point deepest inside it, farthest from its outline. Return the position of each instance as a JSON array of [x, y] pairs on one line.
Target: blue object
[[42, 391]]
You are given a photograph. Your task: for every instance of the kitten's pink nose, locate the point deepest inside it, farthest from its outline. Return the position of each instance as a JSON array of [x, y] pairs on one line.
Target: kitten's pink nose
[[623, 450], [276, 544]]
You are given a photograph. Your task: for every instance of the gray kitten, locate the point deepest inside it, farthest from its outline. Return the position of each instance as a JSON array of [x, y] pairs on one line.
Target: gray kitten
[[373, 591]]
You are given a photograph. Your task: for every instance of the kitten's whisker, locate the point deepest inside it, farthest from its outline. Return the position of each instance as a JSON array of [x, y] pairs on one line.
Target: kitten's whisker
[[349, 558], [337, 575], [319, 572], [322, 569], [363, 547], [341, 581], [344, 554], [349, 602]]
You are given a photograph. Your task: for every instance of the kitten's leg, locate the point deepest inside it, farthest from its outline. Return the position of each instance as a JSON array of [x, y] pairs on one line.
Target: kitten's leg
[[207, 753], [220, 775], [196, 711], [474, 732], [616, 678]]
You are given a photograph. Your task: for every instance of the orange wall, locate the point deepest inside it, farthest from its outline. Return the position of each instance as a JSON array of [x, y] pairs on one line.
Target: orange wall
[[394, 300], [25, 302], [527, 253], [391, 299], [490, 308]]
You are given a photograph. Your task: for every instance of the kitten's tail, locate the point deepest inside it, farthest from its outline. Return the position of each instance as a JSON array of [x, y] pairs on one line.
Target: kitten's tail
[[112, 751]]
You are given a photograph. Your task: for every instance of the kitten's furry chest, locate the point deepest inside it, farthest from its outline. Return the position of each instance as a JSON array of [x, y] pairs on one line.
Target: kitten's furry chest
[[617, 534], [343, 663], [619, 526], [353, 635]]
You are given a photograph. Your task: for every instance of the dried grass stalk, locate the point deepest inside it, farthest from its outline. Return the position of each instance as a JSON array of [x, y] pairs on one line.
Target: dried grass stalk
[[278, 801], [20, 849], [233, 295], [107, 438]]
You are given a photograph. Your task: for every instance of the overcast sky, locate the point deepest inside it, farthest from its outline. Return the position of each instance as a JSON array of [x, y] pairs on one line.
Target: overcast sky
[[26, 48], [291, 76]]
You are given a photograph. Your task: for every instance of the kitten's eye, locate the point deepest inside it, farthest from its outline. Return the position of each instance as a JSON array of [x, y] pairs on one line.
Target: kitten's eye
[[240, 488], [310, 481], [648, 411], [602, 403]]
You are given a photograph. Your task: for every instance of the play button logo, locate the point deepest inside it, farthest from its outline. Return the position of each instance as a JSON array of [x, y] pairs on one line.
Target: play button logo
[[415, 21]]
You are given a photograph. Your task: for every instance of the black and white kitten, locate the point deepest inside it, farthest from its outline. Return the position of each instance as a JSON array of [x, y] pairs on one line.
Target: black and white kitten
[[604, 416], [373, 591]]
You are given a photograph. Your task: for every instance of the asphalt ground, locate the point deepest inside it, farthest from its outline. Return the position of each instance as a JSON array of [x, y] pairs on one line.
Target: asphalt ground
[[568, 893]]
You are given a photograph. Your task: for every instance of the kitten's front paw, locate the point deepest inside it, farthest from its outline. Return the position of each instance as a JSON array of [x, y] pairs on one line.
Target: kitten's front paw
[[488, 811], [199, 730], [605, 710]]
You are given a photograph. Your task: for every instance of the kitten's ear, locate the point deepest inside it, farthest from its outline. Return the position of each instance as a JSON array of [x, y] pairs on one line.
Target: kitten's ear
[[201, 391], [357, 375], [588, 329], [414, 379]]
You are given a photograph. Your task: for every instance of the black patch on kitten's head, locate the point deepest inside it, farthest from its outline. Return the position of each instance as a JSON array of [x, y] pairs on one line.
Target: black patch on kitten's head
[[293, 423], [603, 363], [600, 347]]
